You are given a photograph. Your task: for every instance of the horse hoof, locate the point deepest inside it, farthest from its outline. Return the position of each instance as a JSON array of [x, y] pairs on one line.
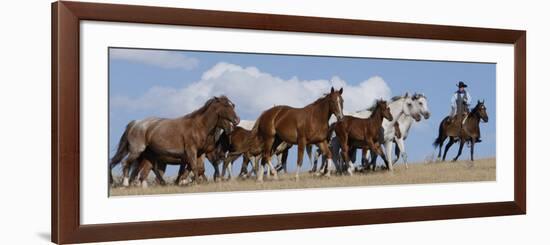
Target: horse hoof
[[144, 184], [126, 182]]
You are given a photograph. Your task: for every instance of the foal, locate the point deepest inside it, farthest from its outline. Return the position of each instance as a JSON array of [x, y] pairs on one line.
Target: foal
[[358, 132]]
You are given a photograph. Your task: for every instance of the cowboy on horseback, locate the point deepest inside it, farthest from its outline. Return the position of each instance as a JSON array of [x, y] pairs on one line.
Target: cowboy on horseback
[[460, 101], [460, 104]]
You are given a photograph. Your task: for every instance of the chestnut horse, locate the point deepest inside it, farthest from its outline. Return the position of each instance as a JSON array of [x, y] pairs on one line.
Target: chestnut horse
[[464, 130], [301, 126], [359, 132], [183, 137]]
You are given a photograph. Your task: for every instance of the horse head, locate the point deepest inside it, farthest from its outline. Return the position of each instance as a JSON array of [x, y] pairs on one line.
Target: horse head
[[481, 110], [410, 107], [382, 105], [225, 111], [336, 103], [421, 102]]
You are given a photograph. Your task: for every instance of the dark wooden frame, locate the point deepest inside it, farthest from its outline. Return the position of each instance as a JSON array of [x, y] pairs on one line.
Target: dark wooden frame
[[66, 227]]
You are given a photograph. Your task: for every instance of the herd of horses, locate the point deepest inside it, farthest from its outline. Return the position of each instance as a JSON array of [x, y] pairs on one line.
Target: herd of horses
[[215, 132]]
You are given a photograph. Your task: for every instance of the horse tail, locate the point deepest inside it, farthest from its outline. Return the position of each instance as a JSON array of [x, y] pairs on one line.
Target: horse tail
[[122, 149], [440, 137]]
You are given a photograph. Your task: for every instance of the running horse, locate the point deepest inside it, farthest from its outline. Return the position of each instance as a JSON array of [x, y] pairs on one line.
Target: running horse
[[466, 129], [297, 126], [183, 137], [214, 150], [360, 132]]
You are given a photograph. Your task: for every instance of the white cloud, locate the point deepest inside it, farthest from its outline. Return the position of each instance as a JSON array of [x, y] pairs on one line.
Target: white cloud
[[159, 58], [253, 91]]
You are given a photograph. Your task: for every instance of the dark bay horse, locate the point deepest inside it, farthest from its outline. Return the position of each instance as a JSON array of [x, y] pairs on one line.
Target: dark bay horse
[[461, 129], [243, 143], [297, 126], [183, 137], [240, 145], [360, 132], [214, 150]]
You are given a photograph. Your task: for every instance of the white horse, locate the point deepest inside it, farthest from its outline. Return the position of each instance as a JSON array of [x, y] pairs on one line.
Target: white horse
[[405, 124], [405, 110], [418, 106]]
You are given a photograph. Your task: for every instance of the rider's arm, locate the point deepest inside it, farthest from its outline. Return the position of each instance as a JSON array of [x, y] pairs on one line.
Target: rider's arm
[[467, 98], [453, 100]]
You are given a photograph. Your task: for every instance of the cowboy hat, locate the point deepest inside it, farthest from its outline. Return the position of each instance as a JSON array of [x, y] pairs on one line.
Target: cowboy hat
[[461, 85]]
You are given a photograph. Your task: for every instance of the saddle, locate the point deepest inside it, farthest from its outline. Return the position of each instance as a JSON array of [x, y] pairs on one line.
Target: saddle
[[455, 117]]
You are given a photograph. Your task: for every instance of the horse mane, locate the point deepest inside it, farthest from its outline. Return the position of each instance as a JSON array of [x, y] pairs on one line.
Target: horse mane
[[396, 98], [373, 107], [475, 109], [320, 99], [206, 105], [418, 96]]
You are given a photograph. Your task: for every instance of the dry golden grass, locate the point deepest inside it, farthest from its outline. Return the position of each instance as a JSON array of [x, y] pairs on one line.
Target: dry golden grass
[[422, 173]]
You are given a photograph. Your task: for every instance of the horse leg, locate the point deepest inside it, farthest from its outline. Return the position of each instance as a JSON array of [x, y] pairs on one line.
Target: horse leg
[[389, 147], [266, 157], [192, 161], [143, 169], [400, 150], [229, 169], [136, 170], [284, 160], [226, 162], [449, 144], [181, 172], [244, 166], [202, 170], [255, 166], [279, 157], [353, 159], [441, 147], [301, 147], [472, 143], [352, 155], [373, 159], [316, 156], [309, 152], [459, 150], [375, 148], [216, 166], [158, 169], [199, 172], [328, 154], [126, 164], [144, 174], [397, 153], [364, 158]]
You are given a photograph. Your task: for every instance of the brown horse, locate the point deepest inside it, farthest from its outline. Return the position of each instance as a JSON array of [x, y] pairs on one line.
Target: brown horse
[[358, 132], [301, 126], [214, 150], [461, 129], [243, 143], [183, 137]]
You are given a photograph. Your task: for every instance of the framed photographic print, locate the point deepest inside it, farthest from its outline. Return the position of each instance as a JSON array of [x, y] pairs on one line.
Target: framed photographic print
[[177, 122]]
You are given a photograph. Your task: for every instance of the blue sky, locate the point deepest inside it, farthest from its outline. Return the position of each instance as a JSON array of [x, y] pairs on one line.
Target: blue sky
[[162, 83]]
